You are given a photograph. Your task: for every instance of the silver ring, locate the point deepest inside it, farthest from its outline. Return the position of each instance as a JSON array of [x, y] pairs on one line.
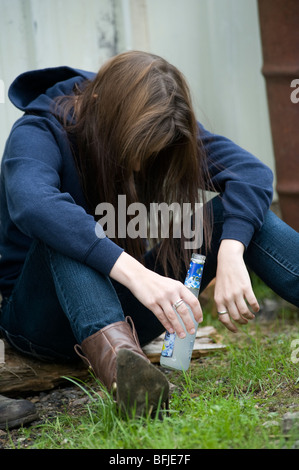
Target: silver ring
[[177, 303], [222, 313]]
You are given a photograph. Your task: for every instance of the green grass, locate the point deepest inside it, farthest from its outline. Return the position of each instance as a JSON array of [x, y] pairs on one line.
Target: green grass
[[228, 400]]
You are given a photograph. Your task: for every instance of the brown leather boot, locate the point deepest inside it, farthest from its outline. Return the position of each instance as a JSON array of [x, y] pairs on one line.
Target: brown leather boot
[[117, 360]]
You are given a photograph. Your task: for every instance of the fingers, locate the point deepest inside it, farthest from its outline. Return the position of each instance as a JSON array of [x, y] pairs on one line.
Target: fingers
[[170, 319], [181, 312], [237, 310], [179, 319], [194, 305], [159, 313], [225, 319], [185, 313]]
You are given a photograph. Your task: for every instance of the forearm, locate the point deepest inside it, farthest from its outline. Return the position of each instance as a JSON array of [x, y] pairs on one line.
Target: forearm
[[126, 269], [230, 247]]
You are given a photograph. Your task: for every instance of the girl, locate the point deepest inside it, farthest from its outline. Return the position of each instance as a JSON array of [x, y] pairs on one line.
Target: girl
[[86, 139]]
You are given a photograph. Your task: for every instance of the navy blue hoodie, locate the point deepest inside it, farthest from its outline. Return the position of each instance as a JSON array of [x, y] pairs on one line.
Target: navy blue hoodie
[[41, 197]]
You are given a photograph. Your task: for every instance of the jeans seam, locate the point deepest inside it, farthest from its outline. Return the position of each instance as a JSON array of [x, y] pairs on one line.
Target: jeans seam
[[275, 259], [32, 349], [59, 281]]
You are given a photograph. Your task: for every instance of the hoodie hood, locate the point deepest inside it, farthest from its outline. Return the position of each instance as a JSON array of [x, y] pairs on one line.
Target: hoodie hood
[[33, 91]]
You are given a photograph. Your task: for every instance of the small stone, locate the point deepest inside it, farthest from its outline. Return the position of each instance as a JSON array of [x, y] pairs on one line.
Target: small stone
[[295, 445], [34, 399], [268, 424], [80, 401], [290, 421], [269, 309], [44, 397]]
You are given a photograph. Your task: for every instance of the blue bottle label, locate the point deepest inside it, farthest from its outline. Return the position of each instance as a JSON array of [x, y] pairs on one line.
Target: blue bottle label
[[194, 275], [168, 344]]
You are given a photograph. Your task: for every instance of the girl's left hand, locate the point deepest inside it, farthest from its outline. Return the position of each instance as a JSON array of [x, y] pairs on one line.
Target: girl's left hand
[[233, 290]]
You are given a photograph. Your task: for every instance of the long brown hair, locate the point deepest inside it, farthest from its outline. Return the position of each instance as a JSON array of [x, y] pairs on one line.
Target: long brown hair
[[137, 115]]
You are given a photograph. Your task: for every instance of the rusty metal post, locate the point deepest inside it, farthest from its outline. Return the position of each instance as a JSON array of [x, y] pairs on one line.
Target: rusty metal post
[[279, 26]]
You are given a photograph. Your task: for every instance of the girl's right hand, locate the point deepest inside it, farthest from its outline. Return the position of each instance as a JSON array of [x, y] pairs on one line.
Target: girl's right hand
[[158, 293]]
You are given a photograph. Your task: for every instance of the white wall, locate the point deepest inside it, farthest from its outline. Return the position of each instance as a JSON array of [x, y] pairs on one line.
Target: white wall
[[215, 43], [46, 33]]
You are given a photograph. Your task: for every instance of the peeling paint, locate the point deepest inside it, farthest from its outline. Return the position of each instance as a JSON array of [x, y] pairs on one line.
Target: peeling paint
[[106, 31]]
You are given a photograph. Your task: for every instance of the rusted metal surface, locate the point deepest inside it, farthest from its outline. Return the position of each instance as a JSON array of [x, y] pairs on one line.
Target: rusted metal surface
[[279, 26]]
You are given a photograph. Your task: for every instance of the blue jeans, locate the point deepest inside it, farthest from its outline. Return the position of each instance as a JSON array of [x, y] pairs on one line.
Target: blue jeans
[[58, 302]]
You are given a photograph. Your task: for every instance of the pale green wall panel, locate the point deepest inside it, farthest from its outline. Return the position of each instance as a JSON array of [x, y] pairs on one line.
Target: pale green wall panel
[[216, 43]]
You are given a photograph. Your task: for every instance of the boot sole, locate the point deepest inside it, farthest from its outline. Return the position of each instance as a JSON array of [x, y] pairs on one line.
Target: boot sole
[[141, 388]]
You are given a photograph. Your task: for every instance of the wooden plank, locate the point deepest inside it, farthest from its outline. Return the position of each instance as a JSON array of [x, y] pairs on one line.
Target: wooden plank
[[23, 374], [19, 373], [207, 340]]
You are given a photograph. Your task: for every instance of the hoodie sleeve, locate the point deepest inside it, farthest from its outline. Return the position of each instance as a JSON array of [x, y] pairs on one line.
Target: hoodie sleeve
[[244, 182], [32, 169]]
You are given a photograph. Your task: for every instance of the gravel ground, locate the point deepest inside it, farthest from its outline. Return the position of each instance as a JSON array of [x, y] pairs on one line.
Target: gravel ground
[[49, 404], [72, 399]]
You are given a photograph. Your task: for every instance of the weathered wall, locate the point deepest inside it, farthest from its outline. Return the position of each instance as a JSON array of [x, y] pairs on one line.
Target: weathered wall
[[216, 43]]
